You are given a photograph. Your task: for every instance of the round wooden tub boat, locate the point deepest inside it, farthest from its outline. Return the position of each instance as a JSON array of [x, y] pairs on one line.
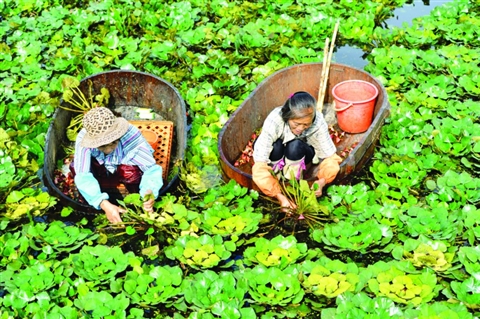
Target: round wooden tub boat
[[273, 92], [129, 92]]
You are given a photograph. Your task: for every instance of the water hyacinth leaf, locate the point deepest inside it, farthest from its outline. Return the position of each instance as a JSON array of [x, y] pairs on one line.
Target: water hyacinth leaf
[[154, 286], [440, 310], [440, 223], [404, 288], [209, 289], [102, 304], [361, 305], [279, 251], [225, 221], [100, 263], [366, 236], [199, 252], [58, 236], [468, 292], [272, 286], [470, 259]]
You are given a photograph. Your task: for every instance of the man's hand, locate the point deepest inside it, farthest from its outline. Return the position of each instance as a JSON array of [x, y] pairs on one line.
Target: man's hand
[[148, 201], [112, 211], [286, 204], [321, 184]]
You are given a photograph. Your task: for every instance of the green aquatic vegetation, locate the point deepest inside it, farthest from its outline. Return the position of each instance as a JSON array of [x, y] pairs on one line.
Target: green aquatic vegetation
[[31, 287], [468, 292], [272, 286], [100, 263], [225, 221], [230, 193], [460, 187], [455, 137], [168, 216], [319, 280], [150, 285], [439, 310], [57, 236], [435, 222], [278, 252], [426, 253], [363, 237], [354, 203], [200, 252], [199, 179], [469, 257], [102, 304], [27, 202], [215, 291], [402, 175], [17, 165], [13, 246], [401, 287], [360, 305]]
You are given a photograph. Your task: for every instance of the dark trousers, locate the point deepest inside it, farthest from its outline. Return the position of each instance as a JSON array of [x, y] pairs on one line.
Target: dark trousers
[[293, 150], [128, 175]]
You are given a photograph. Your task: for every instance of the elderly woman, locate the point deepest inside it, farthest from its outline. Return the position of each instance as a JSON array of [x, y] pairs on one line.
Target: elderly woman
[[293, 136], [109, 151]]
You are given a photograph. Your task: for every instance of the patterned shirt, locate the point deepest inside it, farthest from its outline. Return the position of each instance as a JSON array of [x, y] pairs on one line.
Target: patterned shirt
[[132, 149], [274, 127]]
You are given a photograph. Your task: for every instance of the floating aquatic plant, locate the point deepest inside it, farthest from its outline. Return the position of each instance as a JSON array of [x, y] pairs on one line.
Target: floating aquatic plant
[[200, 252], [426, 253], [277, 252], [363, 237], [321, 281], [272, 286], [403, 287]]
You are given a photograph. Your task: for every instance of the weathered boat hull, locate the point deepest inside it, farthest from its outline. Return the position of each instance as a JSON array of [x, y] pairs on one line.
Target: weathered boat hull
[[274, 91], [128, 89]]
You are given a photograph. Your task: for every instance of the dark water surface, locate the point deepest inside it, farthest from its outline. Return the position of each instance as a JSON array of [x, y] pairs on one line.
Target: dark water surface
[[417, 8]]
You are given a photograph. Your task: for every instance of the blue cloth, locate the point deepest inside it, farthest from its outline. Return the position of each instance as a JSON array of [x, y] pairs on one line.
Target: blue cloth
[[132, 149]]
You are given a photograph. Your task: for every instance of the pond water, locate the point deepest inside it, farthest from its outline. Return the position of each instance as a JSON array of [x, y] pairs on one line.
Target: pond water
[[357, 57]]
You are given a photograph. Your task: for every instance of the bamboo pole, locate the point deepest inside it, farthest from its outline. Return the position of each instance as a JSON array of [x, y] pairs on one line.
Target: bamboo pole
[[326, 69], [322, 75]]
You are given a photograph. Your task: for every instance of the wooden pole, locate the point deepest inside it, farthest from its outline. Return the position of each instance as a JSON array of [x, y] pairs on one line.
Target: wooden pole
[[326, 69]]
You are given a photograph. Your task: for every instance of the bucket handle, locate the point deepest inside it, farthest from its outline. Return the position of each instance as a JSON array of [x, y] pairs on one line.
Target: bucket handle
[[343, 108]]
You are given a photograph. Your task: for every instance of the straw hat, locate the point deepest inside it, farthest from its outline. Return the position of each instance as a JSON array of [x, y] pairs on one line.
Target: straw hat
[[102, 127]]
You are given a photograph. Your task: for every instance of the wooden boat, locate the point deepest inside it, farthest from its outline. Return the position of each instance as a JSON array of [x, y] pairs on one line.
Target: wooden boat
[[129, 90], [273, 92]]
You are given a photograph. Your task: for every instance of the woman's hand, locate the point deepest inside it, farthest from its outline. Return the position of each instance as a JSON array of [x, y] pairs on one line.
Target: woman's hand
[[112, 211], [148, 201], [321, 184], [286, 204]]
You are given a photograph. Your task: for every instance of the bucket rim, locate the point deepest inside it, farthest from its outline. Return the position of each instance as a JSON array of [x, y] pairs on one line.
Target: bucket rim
[[355, 102]]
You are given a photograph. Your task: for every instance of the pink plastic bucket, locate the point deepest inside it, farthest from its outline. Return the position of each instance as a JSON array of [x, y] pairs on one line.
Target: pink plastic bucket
[[354, 104]]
